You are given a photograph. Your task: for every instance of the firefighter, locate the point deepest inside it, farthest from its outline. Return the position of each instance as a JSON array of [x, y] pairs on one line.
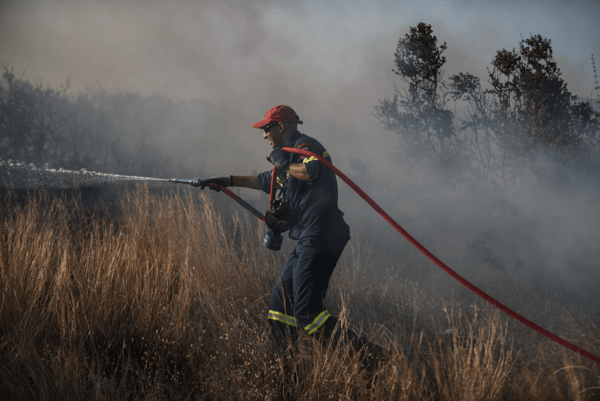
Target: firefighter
[[308, 190]]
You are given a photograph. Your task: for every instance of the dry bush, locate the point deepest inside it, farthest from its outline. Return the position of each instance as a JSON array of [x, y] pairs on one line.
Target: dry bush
[[168, 300]]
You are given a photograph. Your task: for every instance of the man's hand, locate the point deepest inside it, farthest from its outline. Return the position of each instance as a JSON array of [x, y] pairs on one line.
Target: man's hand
[[279, 159], [222, 181]]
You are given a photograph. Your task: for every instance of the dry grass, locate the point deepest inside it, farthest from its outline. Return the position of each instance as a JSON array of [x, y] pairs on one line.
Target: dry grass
[[168, 301]]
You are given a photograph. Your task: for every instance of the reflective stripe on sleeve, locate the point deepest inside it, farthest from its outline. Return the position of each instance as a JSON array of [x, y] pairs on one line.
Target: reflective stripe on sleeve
[[309, 159], [280, 317], [318, 322]]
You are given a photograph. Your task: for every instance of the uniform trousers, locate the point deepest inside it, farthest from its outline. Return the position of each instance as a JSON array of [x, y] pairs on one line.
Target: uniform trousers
[[297, 297]]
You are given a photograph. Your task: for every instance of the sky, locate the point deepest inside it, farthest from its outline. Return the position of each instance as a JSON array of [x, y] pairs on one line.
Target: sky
[[254, 54], [331, 61]]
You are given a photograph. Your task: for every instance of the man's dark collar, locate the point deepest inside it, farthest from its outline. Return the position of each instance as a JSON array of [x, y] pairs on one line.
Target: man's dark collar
[[293, 139]]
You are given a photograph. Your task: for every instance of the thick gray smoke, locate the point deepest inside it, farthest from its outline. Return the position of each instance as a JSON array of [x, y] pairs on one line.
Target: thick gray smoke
[[212, 68]]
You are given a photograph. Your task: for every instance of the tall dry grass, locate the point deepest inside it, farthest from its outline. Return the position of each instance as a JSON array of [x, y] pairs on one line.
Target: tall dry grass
[[168, 300]]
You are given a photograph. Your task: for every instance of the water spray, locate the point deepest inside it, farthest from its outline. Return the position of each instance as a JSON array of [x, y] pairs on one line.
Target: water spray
[[32, 175]]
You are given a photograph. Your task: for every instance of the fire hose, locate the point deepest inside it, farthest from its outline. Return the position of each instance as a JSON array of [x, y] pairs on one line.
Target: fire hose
[[425, 252]]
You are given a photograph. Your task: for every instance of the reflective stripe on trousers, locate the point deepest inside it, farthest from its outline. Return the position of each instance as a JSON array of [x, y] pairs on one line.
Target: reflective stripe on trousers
[[318, 322], [283, 318], [290, 320]]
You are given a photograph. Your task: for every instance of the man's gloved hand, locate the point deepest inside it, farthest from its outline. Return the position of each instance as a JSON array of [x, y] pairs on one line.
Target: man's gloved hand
[[222, 181], [279, 159]]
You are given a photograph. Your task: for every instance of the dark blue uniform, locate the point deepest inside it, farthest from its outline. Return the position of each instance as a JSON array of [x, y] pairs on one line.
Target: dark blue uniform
[[318, 225]]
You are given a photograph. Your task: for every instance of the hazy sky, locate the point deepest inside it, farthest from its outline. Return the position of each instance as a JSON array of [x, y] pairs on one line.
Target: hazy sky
[[328, 59]]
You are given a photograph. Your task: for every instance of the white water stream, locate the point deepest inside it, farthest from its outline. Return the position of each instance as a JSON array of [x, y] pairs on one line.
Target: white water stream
[[29, 175]]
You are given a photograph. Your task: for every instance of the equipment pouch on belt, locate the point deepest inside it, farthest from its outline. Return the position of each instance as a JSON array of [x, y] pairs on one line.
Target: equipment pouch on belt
[[276, 223], [281, 218]]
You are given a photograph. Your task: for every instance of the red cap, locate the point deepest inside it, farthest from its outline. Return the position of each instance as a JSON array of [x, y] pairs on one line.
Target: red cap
[[281, 114]]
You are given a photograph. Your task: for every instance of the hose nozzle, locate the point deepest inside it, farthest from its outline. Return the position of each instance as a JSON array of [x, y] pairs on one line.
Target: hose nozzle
[[193, 182]]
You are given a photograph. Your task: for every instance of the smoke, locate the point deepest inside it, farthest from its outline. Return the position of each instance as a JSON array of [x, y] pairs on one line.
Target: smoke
[[223, 64]]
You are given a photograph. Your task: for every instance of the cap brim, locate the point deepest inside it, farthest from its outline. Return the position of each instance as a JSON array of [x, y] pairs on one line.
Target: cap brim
[[260, 124]]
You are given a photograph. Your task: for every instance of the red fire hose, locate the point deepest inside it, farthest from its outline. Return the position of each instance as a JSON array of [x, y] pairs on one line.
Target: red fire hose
[[242, 203], [435, 260]]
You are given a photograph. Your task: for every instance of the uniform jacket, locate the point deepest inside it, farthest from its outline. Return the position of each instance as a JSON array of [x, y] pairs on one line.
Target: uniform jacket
[[314, 204]]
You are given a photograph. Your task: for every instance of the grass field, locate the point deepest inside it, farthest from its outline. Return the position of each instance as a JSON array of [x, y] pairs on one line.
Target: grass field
[[168, 300]]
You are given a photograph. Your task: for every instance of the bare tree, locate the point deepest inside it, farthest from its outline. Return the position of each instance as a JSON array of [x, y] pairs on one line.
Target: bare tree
[[29, 118], [418, 114], [526, 117], [95, 130], [526, 122]]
